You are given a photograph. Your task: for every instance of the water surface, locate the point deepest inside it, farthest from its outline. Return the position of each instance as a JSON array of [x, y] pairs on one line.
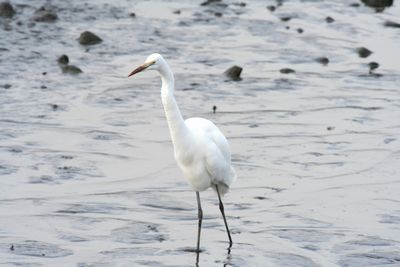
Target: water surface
[[87, 174]]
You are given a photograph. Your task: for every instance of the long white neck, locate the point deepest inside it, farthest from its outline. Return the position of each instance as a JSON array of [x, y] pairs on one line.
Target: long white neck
[[176, 124]]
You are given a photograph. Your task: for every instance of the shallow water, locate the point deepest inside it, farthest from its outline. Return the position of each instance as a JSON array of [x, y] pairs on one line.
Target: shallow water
[[87, 174]]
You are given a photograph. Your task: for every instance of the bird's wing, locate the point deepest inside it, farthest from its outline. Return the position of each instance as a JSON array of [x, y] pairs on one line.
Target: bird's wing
[[217, 152]]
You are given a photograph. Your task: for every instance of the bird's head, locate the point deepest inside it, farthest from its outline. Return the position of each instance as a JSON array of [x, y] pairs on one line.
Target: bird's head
[[152, 62]]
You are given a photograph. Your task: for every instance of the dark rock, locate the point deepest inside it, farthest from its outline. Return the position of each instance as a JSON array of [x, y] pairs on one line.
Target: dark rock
[[286, 71], [300, 30], [271, 8], [12, 247], [44, 14], [287, 27], [363, 52], [63, 60], [43, 87], [355, 5], [323, 60], [44, 73], [373, 66], [214, 109], [6, 10], [330, 128], [241, 4], [378, 5], [234, 73], [329, 19], [392, 24], [7, 86], [132, 15], [208, 2], [71, 69], [89, 38], [54, 107], [177, 12], [218, 14], [286, 18]]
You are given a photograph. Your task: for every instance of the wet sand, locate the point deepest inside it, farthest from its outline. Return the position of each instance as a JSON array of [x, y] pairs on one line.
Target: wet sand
[[87, 174]]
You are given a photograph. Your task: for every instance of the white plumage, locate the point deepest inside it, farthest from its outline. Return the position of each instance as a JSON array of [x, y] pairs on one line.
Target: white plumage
[[211, 154], [201, 150]]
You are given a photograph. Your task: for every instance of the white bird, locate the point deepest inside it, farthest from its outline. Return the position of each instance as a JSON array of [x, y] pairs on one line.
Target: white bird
[[201, 150]]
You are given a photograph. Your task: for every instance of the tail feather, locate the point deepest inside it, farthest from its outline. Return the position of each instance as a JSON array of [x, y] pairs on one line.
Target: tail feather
[[222, 188]]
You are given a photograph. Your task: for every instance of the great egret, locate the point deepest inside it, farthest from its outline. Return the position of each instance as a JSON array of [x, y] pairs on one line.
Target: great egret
[[201, 150]]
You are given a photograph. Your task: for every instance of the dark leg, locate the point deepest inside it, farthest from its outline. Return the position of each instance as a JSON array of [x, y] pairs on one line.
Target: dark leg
[[221, 208], [200, 213]]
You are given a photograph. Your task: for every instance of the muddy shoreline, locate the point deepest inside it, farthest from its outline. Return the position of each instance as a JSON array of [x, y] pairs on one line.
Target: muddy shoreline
[[87, 174]]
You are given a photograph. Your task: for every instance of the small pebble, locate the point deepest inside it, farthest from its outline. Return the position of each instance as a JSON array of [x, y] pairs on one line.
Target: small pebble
[[63, 60], [287, 18], [286, 71], [218, 14], [378, 5], [208, 2], [373, 66], [89, 38], [330, 128], [271, 8], [392, 24], [6, 10], [364, 52], [300, 30], [241, 4], [355, 5], [329, 19], [44, 15], [177, 12], [132, 15], [12, 247], [71, 69], [323, 60], [234, 73]]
